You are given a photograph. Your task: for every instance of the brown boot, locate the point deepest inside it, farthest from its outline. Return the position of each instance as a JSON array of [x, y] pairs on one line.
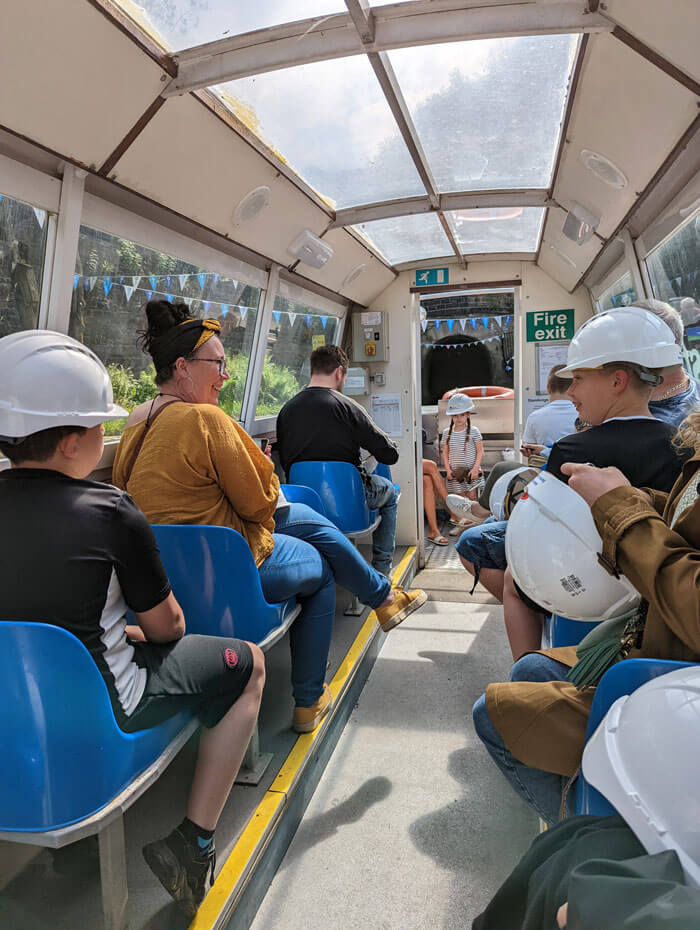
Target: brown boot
[[307, 719], [404, 603]]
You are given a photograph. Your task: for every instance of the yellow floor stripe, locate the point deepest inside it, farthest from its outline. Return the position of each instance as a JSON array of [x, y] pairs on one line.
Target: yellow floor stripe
[[276, 795]]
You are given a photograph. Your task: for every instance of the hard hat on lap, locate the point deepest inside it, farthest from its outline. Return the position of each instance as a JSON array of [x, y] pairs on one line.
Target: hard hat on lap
[[552, 547], [48, 380], [627, 334], [644, 759], [459, 403], [498, 491]]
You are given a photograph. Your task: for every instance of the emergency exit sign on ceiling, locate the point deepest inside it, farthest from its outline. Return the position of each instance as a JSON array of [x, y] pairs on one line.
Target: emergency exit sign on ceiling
[[550, 325]]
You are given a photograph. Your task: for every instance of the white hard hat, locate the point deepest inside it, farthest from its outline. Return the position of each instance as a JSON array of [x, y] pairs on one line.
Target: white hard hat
[[644, 759], [459, 403], [552, 546], [627, 334], [49, 379], [498, 491]]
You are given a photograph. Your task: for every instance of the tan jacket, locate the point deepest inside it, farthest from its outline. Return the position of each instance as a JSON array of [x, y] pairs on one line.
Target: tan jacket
[[543, 724], [197, 465]]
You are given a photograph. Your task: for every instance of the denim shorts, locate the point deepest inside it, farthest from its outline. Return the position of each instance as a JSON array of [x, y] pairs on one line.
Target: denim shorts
[[484, 546]]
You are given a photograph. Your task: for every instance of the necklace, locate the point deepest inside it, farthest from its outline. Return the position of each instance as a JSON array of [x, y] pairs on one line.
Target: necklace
[[675, 389]]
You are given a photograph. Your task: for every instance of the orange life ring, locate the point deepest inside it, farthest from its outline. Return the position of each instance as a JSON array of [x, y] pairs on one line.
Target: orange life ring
[[489, 390]]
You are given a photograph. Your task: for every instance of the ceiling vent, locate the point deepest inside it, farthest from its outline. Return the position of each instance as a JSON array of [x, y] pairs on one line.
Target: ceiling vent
[[353, 275], [603, 169], [253, 203], [310, 250], [579, 224]]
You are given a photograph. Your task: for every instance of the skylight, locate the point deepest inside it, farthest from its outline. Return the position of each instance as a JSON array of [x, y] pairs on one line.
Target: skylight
[[184, 23], [488, 112], [502, 229], [331, 123], [409, 238]]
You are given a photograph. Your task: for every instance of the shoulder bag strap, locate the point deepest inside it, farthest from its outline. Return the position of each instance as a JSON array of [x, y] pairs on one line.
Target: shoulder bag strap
[[139, 444]]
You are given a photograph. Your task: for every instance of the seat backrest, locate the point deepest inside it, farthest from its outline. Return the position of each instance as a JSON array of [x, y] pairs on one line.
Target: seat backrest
[[299, 494], [215, 580], [384, 471], [57, 729], [340, 488], [565, 632]]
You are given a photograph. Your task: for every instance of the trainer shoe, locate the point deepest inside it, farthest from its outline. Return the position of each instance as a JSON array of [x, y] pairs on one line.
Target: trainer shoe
[[307, 719], [462, 507], [184, 872], [404, 603]]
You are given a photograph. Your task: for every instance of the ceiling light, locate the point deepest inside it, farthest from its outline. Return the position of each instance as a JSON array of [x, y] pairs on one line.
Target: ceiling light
[[603, 169], [563, 256], [353, 275], [579, 224], [310, 250], [253, 202]]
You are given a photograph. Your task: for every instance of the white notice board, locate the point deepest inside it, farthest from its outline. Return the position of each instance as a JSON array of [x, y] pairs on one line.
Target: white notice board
[[386, 413], [548, 355]]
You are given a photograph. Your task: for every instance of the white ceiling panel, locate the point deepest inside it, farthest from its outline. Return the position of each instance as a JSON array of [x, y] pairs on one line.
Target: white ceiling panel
[[629, 111], [348, 255], [71, 81], [561, 258], [189, 160], [669, 27]]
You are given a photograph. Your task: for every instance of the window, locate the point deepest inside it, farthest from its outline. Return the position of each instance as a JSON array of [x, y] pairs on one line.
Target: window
[[621, 293], [115, 278], [674, 272], [296, 330], [22, 246]]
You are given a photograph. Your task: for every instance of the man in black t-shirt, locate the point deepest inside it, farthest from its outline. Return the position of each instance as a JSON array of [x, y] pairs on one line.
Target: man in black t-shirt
[[320, 424], [76, 553]]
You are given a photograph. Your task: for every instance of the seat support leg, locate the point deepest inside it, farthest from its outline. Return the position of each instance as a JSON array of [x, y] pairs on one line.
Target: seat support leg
[[254, 762], [354, 608], [113, 875]]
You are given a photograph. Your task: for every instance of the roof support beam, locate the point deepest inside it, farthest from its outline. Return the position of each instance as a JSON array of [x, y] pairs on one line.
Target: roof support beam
[[445, 223], [363, 18], [663, 64], [460, 200], [401, 25]]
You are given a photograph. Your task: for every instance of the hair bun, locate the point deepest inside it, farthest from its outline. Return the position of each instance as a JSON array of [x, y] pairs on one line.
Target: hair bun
[[162, 316]]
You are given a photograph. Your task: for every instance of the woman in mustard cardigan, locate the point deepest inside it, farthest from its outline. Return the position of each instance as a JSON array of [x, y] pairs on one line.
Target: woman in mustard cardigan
[[184, 460]]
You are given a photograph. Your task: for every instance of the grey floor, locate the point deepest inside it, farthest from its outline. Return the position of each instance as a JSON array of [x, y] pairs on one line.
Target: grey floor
[[411, 827]]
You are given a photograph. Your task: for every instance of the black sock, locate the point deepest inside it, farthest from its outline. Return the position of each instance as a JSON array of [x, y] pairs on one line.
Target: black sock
[[201, 839]]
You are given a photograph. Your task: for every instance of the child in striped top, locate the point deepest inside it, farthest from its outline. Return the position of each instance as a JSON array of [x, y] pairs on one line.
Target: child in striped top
[[462, 451]]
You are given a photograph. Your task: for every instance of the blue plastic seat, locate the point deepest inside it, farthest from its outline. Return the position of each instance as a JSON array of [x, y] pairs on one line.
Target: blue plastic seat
[[622, 678], [384, 471], [342, 493], [64, 757], [298, 494], [565, 632], [217, 584]]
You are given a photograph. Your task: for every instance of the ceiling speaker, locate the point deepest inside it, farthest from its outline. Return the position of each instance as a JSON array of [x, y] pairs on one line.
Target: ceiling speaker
[[253, 202], [353, 275], [603, 169]]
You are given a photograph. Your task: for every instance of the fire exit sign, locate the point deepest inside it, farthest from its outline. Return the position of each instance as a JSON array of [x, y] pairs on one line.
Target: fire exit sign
[[550, 325]]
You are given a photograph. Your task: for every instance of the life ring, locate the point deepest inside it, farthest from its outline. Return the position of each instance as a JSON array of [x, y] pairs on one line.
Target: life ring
[[490, 390]]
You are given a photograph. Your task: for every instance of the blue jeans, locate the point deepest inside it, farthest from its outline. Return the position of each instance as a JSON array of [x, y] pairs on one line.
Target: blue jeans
[[296, 569], [484, 546], [381, 495], [350, 569], [542, 790]]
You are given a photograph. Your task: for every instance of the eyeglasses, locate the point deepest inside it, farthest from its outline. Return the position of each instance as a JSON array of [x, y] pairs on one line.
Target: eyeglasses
[[221, 362]]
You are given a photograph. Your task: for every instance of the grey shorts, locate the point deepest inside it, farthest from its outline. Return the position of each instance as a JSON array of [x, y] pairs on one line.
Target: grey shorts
[[204, 675]]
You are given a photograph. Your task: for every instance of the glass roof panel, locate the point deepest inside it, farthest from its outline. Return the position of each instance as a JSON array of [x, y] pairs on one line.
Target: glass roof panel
[[330, 121], [408, 238], [500, 229], [183, 23], [488, 112]]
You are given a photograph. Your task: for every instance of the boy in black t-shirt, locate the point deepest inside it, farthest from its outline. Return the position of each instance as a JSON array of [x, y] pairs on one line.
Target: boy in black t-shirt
[[95, 555]]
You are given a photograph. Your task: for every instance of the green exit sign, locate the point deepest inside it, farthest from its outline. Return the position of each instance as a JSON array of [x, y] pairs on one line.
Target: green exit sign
[[550, 325]]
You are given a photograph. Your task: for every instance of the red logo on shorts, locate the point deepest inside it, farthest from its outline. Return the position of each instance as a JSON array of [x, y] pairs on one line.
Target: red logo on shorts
[[231, 658]]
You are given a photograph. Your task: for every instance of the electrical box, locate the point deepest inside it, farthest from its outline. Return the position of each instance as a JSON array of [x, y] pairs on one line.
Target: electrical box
[[357, 383], [370, 336]]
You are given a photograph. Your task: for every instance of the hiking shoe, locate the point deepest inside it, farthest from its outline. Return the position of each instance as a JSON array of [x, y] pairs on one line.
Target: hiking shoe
[[461, 507], [307, 719], [182, 870], [404, 603]]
